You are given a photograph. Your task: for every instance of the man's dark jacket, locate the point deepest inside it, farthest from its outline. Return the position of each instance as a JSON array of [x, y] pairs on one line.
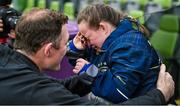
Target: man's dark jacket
[[21, 82]]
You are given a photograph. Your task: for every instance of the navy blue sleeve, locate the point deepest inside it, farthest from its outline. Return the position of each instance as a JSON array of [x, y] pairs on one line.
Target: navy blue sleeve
[[73, 53]]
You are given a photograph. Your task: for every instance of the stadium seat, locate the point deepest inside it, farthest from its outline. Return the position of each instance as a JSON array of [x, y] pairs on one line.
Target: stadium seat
[[69, 10], [41, 4], [132, 5], [54, 5], [165, 38], [115, 4], [122, 2], [138, 14], [164, 3], [152, 7], [30, 4], [19, 5], [143, 3], [167, 4]]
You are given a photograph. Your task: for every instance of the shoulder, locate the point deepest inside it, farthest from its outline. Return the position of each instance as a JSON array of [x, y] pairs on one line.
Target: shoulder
[[132, 39], [46, 90]]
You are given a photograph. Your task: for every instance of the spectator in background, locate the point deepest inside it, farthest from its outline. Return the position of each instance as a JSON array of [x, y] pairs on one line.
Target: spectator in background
[[10, 17], [1, 26], [115, 49]]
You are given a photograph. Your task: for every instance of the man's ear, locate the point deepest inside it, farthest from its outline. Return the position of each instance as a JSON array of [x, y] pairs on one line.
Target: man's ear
[[48, 49]]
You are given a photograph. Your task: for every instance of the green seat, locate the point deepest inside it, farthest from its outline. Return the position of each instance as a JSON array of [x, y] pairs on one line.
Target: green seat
[[41, 4], [123, 1], [69, 10], [106, 1], [30, 4], [132, 5], [164, 3], [165, 38], [138, 14], [54, 5], [123, 4], [143, 3], [19, 5]]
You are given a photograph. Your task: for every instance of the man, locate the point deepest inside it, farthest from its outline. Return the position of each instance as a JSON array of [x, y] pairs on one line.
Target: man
[[41, 37]]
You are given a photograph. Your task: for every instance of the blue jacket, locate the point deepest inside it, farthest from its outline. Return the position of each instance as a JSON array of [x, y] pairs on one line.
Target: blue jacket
[[127, 65]]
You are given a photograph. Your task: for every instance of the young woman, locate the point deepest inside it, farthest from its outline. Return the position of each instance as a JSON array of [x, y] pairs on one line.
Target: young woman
[[114, 48]]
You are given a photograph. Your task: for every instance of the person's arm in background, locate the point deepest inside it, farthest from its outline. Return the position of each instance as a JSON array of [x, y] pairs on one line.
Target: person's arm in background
[[1, 25]]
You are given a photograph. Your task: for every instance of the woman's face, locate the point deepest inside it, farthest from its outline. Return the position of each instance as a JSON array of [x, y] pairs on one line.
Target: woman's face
[[95, 36]]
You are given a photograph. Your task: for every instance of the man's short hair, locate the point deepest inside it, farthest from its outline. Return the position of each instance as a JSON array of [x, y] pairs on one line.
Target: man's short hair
[[38, 27]]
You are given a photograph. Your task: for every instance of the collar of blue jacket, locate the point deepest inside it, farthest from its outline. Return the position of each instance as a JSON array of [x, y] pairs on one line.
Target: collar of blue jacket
[[124, 26]]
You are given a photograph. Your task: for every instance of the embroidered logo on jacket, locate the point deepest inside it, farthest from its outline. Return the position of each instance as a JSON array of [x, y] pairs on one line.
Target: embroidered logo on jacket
[[102, 67]]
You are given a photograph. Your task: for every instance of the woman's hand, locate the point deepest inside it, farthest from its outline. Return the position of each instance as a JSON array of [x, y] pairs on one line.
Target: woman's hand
[[79, 65], [80, 41]]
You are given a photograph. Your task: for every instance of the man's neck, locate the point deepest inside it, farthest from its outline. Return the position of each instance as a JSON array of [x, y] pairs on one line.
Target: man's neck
[[31, 57]]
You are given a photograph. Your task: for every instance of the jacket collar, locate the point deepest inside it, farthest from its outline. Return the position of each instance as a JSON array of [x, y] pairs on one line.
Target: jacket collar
[[123, 27], [28, 61], [6, 54]]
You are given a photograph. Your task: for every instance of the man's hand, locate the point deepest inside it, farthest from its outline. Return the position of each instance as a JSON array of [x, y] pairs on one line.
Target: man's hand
[[165, 83], [1, 25]]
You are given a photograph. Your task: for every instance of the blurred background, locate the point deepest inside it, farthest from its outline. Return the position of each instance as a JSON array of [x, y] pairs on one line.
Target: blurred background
[[161, 17]]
